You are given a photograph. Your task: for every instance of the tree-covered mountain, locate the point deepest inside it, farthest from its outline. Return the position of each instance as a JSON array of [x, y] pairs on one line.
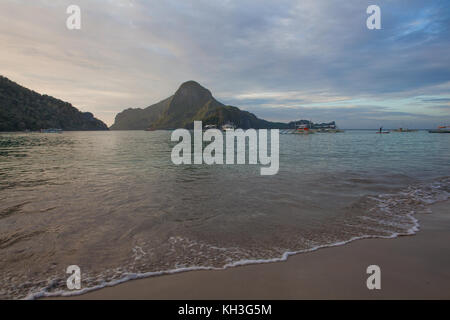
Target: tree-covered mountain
[[23, 109], [189, 103]]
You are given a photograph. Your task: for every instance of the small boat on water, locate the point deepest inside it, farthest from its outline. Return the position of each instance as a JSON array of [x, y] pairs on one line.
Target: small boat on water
[[329, 130], [441, 129], [150, 129], [209, 126], [51, 130], [310, 128], [303, 129], [325, 127], [381, 131], [228, 127], [404, 130]]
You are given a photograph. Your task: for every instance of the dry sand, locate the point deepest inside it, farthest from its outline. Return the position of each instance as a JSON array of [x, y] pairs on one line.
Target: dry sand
[[412, 267]]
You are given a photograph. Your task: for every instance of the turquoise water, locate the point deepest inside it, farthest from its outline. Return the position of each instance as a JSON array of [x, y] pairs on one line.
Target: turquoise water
[[115, 205]]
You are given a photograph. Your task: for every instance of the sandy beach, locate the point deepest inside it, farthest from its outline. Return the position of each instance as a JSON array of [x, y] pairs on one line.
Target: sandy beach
[[412, 267]]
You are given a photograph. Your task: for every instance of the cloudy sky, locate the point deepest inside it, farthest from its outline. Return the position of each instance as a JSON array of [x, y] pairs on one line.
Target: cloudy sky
[[280, 59]]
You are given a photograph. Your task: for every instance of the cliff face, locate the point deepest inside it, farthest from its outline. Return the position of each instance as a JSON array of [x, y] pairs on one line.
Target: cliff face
[[189, 103], [23, 109]]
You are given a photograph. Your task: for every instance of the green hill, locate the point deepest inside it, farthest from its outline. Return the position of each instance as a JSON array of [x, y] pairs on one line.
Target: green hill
[[190, 102], [23, 109]]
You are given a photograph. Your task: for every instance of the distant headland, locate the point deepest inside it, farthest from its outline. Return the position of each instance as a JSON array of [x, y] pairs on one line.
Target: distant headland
[[23, 109]]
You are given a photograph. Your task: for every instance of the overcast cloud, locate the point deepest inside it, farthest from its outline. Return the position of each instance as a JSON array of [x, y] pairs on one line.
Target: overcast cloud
[[282, 60]]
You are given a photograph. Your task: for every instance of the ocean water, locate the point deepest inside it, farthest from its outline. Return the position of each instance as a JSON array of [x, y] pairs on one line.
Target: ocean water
[[115, 205]]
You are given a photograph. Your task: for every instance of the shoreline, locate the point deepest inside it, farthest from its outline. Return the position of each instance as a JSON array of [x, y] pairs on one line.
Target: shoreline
[[412, 267]]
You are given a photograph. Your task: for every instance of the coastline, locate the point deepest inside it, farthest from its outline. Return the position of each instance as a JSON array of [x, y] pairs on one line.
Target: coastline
[[412, 267]]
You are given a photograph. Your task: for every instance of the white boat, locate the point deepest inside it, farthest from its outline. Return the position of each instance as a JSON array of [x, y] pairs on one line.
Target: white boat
[[441, 129], [330, 130], [52, 130], [303, 129], [209, 126], [381, 131], [404, 130], [325, 127], [228, 127]]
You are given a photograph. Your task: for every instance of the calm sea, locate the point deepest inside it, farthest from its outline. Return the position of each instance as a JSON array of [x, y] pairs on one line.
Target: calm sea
[[115, 205]]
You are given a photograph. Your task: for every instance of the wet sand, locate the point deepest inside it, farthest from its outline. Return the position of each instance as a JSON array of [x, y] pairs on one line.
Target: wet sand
[[412, 267]]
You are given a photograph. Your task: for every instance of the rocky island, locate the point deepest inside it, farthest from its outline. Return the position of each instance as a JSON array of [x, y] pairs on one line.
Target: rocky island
[[190, 102]]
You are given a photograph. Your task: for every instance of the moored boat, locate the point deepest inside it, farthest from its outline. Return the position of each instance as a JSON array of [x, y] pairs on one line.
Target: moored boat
[[381, 131], [330, 130], [303, 129], [209, 126], [51, 130], [441, 129], [325, 128], [228, 127], [404, 130]]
